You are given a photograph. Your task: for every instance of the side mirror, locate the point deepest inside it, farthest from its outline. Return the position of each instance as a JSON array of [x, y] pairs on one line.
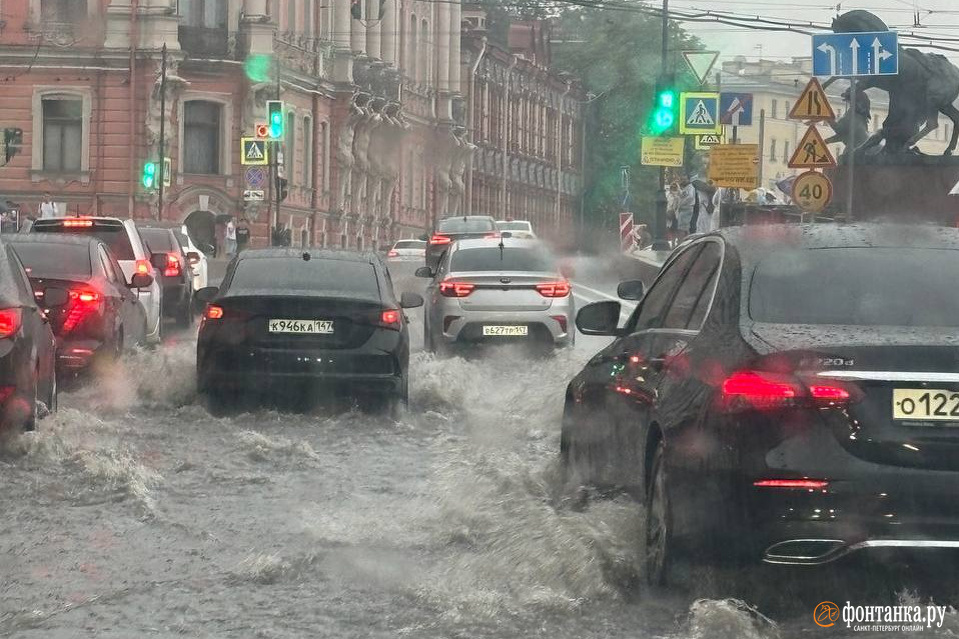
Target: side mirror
[[159, 260], [141, 280], [411, 300], [54, 296], [599, 318], [193, 257], [424, 271], [206, 295], [631, 290], [424, 238]]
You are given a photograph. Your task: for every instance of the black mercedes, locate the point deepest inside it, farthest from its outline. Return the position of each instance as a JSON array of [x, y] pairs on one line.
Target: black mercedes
[[310, 320], [786, 394]]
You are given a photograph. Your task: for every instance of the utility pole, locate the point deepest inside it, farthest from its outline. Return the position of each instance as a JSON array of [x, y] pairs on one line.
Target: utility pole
[[162, 132], [659, 241], [851, 164], [275, 213]]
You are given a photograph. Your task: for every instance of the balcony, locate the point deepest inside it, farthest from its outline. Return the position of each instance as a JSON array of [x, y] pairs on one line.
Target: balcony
[[204, 42]]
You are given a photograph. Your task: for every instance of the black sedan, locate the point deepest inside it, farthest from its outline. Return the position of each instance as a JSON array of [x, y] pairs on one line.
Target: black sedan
[[787, 394], [27, 348], [287, 319], [174, 267], [101, 315]]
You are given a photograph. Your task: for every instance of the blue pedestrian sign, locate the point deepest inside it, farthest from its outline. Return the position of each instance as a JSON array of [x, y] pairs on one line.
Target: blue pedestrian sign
[[699, 113], [736, 109], [855, 54]]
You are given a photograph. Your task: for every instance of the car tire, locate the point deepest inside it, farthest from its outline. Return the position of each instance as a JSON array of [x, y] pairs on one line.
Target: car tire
[[659, 549], [54, 404], [31, 421]]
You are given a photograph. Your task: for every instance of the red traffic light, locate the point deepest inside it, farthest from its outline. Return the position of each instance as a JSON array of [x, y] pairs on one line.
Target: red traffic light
[[263, 131]]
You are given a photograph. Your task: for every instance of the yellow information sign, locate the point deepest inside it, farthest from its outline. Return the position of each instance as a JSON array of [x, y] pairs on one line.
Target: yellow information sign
[[812, 152], [662, 151], [734, 165], [812, 191], [812, 104]]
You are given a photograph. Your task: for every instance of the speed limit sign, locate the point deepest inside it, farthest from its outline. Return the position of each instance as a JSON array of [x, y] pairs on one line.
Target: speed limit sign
[[812, 191]]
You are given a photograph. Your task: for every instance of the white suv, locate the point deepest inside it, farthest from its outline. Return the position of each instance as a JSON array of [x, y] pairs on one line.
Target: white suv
[[130, 250]]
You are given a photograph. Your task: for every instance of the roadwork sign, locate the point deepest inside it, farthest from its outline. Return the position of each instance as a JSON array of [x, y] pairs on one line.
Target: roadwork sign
[[736, 109], [735, 165], [812, 152], [662, 151], [706, 142], [699, 113], [253, 151], [812, 191], [812, 105]]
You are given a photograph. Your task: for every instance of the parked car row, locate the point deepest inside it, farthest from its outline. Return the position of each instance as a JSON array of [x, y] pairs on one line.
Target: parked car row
[[78, 291]]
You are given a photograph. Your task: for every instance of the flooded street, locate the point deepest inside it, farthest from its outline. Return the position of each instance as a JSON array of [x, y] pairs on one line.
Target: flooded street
[[134, 513]]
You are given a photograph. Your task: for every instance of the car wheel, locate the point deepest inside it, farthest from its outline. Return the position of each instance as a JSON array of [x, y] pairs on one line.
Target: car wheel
[[34, 416], [118, 345], [659, 547], [54, 404]]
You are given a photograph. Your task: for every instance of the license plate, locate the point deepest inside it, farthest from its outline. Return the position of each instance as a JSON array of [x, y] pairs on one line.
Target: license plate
[[925, 404], [314, 327], [505, 331]]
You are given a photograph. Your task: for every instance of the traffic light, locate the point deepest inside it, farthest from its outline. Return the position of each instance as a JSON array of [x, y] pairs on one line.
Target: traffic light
[[274, 118], [282, 188], [149, 175], [665, 114]]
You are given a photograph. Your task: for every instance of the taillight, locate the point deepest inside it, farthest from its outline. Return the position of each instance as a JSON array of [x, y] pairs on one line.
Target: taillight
[[77, 224], [143, 267], [213, 312], [9, 321], [390, 318], [393, 253], [553, 289], [452, 288], [800, 484], [82, 303], [439, 238], [172, 266], [491, 236], [763, 390], [85, 297]]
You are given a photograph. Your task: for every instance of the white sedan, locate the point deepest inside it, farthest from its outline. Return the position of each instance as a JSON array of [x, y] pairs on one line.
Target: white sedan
[[407, 251], [199, 266]]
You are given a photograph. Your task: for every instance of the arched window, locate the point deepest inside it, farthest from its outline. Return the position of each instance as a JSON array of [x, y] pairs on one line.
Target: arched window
[[201, 137], [289, 156], [308, 150], [426, 77], [412, 58], [62, 133]]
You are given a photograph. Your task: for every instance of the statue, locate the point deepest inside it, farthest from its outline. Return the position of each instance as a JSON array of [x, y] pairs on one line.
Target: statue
[[344, 155], [852, 126], [461, 155], [927, 84]]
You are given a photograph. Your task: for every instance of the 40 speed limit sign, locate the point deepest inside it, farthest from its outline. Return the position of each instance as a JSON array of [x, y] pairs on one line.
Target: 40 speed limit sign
[[812, 191]]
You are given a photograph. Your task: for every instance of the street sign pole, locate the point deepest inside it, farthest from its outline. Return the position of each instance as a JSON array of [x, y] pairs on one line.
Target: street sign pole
[[162, 132], [659, 240], [851, 155], [275, 177]]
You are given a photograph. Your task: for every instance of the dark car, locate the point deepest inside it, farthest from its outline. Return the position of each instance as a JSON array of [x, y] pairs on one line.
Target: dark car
[[27, 348], [327, 319], [450, 229], [102, 315], [174, 268], [787, 394]]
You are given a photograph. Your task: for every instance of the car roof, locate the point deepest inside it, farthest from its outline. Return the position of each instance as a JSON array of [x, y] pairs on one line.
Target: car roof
[[53, 238], [101, 218], [315, 254]]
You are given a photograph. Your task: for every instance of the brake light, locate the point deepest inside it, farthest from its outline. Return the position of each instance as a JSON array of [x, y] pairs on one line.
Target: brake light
[[802, 484], [172, 266], [828, 393], [82, 303], [85, 297], [392, 253], [764, 390], [9, 321], [390, 316], [439, 238], [73, 224], [213, 312], [553, 289], [452, 288], [143, 267]]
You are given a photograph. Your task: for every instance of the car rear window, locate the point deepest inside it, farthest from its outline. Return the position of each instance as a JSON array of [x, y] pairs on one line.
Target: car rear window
[[410, 244], [509, 258], [513, 226], [159, 240], [55, 261], [468, 225], [857, 286], [113, 234], [295, 274]]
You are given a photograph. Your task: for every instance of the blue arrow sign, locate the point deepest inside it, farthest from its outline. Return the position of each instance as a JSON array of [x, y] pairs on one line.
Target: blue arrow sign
[[736, 109], [855, 54]]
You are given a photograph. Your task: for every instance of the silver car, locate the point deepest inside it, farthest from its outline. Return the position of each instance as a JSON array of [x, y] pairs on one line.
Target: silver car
[[498, 291], [407, 251]]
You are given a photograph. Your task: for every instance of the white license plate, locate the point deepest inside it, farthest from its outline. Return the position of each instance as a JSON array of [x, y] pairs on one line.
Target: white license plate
[[314, 327], [926, 404], [505, 331]]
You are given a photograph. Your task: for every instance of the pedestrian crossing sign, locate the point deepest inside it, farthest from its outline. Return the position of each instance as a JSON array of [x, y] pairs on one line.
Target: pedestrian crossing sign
[[253, 151], [700, 113], [812, 152]]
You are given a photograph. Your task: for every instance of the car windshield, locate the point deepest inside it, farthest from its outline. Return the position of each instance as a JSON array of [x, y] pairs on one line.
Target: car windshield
[[54, 260], [113, 234], [857, 286], [159, 240], [468, 225], [494, 258], [344, 277], [410, 244]]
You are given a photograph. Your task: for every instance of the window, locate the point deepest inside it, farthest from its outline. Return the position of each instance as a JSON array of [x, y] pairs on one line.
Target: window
[[413, 56], [650, 313], [308, 18], [291, 15], [308, 149], [772, 150], [209, 14], [62, 134], [325, 154], [788, 109], [201, 137], [65, 11], [290, 154], [786, 151], [774, 109], [875, 123], [424, 61], [507, 259], [688, 309], [55, 260], [332, 276]]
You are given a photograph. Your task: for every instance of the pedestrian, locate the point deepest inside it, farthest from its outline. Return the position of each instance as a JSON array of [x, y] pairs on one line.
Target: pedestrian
[[230, 238], [47, 208], [242, 234], [672, 208], [686, 208]]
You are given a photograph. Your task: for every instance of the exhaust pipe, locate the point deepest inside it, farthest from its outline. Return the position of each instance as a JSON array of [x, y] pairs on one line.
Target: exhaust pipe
[[805, 552]]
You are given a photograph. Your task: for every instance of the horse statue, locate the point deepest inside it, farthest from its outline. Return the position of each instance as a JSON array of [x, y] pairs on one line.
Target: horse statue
[[927, 84], [852, 127]]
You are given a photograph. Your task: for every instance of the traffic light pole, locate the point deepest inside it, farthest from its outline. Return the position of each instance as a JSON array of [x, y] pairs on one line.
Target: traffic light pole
[[660, 243], [162, 170]]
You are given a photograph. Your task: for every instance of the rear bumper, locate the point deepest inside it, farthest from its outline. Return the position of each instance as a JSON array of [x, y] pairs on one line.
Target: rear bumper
[[77, 354], [466, 327]]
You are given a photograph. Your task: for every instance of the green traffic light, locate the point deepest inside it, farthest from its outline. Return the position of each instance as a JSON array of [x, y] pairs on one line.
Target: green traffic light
[[257, 67], [275, 118], [149, 174], [663, 116]]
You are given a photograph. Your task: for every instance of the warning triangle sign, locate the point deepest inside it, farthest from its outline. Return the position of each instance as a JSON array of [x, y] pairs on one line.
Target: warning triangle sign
[[700, 115], [812, 104], [812, 152], [701, 63], [254, 152]]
